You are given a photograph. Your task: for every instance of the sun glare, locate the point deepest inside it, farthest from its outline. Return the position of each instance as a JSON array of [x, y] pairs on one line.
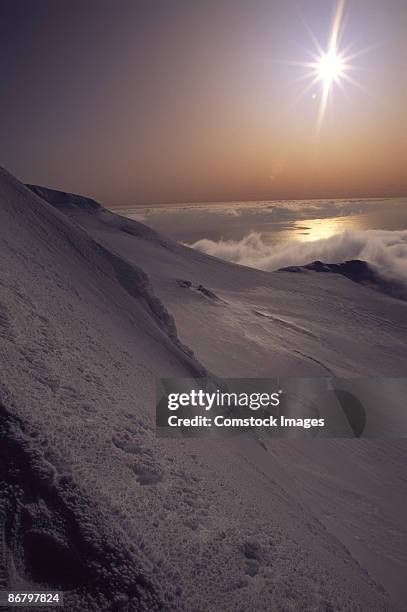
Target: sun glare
[[330, 67]]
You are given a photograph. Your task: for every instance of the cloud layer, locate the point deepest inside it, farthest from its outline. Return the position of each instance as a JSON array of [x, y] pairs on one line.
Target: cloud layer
[[386, 250]]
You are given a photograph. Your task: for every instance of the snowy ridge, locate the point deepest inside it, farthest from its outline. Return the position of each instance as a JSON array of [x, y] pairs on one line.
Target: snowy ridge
[[127, 521], [358, 271], [52, 533], [64, 201]]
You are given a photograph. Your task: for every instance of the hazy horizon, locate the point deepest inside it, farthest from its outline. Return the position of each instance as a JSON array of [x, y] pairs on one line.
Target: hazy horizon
[[277, 221], [141, 205]]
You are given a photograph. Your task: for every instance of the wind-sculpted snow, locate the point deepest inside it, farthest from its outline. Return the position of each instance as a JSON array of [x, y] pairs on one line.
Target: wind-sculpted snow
[[53, 537], [359, 272], [385, 250], [75, 206], [65, 201], [63, 353], [93, 503]]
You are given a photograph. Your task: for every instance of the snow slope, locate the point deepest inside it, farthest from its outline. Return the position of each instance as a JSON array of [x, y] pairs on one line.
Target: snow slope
[[93, 503], [265, 323]]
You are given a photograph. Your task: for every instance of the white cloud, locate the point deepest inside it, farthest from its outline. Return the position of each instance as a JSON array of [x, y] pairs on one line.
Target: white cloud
[[387, 250]]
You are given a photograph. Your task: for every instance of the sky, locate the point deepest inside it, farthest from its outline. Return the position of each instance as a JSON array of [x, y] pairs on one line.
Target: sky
[[148, 101]]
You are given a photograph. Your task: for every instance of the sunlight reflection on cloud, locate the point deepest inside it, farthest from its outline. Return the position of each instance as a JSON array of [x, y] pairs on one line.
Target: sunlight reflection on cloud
[[387, 250]]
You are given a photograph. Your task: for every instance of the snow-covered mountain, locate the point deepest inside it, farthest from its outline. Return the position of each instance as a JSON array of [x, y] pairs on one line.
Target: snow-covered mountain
[[93, 309]]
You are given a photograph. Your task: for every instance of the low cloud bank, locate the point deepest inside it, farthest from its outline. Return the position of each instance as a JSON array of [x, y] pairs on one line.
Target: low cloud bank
[[386, 250]]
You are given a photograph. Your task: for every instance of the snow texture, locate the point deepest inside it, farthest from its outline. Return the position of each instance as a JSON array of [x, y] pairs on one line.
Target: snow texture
[[94, 504]]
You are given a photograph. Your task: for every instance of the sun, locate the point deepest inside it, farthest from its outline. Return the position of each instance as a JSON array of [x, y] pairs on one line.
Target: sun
[[330, 68]]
